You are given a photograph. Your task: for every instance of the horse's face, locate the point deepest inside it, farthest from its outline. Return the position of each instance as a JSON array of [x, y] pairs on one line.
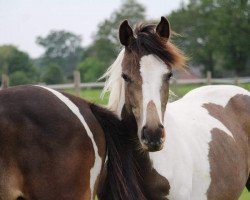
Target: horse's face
[[146, 94], [146, 79]]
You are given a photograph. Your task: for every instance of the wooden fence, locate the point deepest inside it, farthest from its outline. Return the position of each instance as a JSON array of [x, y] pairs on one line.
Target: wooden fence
[[77, 85]]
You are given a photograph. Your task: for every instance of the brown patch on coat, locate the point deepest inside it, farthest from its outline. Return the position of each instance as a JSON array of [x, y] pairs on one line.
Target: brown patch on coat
[[230, 157], [155, 186], [133, 87]]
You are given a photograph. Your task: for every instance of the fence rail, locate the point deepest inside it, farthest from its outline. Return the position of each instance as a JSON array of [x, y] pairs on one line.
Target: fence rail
[[72, 85], [77, 85], [234, 81]]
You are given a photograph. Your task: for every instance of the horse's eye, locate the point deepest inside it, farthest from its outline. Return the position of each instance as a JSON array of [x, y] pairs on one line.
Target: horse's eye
[[126, 78]]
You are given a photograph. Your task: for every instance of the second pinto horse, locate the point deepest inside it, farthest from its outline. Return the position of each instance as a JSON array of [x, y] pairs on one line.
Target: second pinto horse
[[197, 148]]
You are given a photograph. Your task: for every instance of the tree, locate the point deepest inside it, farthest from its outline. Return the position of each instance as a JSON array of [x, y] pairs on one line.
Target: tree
[[63, 48], [232, 25], [106, 44], [18, 78], [53, 74], [131, 10], [90, 69], [17, 65], [215, 34]]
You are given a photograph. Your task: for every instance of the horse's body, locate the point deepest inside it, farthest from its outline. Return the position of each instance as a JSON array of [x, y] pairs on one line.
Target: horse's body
[[207, 149], [47, 145], [53, 146], [197, 148]]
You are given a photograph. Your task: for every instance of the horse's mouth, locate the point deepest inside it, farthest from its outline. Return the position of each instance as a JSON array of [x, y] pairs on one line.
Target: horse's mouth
[[152, 147]]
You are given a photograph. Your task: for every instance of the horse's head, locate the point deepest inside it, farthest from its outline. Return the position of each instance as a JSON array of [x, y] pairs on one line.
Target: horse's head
[[145, 67]]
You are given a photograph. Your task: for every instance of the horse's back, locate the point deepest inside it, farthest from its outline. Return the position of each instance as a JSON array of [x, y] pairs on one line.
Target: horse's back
[[44, 147], [219, 94], [210, 127]]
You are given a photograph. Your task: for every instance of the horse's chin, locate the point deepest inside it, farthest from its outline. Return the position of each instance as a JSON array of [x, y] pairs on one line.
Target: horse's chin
[[151, 149]]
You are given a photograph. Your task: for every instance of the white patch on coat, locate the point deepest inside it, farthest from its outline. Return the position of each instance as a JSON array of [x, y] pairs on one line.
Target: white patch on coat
[[184, 160], [95, 170], [152, 70]]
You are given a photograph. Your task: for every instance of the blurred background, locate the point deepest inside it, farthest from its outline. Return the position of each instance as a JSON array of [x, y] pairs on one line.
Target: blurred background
[[74, 42]]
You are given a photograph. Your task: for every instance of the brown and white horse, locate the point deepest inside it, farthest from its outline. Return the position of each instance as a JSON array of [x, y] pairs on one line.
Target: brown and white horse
[[53, 146], [196, 148]]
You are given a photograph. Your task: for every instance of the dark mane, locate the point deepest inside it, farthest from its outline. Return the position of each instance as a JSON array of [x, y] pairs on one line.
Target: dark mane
[[121, 181], [147, 41]]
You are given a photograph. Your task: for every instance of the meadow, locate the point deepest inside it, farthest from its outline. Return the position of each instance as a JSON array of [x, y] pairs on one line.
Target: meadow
[[93, 95]]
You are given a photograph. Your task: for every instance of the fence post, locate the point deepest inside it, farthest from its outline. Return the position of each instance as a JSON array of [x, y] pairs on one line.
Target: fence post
[[209, 77], [5, 81], [236, 81], [77, 83]]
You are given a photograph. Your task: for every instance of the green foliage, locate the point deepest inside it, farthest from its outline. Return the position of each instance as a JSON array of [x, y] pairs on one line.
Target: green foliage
[[215, 35], [90, 69], [19, 78], [131, 10], [63, 48], [59, 44], [17, 65], [245, 195], [53, 74], [103, 50], [106, 44]]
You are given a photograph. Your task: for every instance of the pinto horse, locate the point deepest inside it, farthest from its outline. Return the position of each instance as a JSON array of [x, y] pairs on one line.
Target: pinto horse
[[195, 148], [53, 146]]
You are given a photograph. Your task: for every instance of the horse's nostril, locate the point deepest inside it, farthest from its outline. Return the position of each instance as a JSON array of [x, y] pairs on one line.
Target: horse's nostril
[[20, 198], [161, 126], [143, 137]]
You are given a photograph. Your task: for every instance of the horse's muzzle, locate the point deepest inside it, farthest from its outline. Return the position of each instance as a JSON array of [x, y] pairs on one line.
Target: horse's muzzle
[[153, 139]]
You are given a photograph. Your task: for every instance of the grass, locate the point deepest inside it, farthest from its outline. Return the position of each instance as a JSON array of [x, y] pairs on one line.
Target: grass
[[181, 90], [245, 195], [93, 95]]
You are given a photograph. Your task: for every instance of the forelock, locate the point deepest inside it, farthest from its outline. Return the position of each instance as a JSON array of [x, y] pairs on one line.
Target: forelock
[[147, 41]]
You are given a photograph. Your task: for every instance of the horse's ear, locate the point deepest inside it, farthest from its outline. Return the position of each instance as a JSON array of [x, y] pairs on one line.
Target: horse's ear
[[125, 33], [163, 28]]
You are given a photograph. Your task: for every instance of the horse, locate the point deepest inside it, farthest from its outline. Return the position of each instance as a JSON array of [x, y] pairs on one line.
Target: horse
[[195, 148], [53, 146]]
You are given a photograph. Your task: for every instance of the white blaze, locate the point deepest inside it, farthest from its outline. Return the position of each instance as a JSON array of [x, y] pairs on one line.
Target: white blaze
[[95, 170], [152, 70]]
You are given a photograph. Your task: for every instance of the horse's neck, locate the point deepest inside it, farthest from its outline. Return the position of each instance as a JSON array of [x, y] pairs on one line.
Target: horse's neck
[[151, 182], [141, 157]]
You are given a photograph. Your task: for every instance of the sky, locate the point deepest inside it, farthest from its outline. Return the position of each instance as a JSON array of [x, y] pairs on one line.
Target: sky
[[21, 21]]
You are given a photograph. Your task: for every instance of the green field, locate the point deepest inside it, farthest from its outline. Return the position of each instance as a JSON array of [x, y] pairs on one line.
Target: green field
[[245, 195], [94, 96]]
